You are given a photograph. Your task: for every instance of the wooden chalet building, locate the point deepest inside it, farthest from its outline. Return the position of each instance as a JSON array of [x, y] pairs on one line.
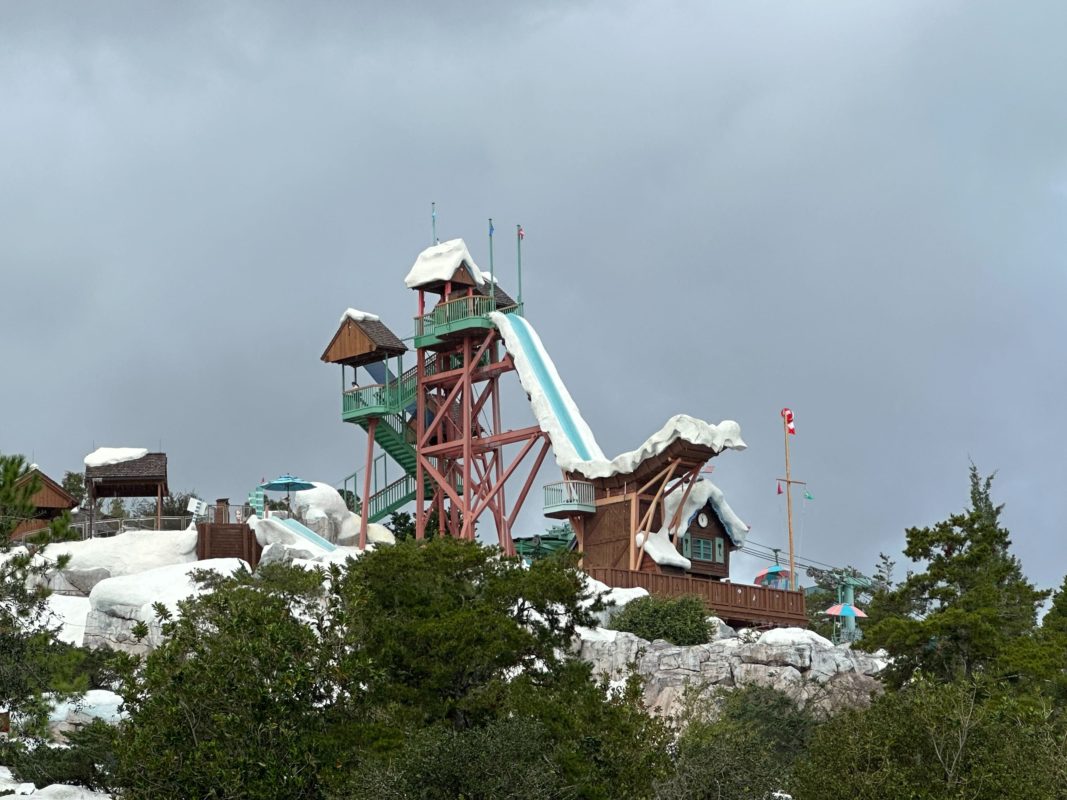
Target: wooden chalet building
[[687, 553], [50, 499]]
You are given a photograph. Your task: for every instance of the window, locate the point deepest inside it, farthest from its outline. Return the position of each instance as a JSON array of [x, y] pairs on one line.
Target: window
[[720, 551], [703, 550]]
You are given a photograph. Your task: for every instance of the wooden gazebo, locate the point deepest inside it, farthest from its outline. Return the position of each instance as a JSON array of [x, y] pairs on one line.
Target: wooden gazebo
[[362, 339], [139, 477], [50, 500]]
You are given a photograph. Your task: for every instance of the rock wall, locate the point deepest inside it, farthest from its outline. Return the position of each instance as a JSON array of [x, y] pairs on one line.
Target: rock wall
[[803, 665]]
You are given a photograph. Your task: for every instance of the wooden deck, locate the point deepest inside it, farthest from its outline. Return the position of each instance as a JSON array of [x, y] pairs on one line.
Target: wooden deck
[[734, 603]]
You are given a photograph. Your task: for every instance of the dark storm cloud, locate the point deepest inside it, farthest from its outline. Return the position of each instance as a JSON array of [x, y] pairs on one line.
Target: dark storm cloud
[[854, 210]]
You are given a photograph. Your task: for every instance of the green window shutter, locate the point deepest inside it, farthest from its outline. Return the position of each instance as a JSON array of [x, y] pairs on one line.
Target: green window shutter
[[720, 555]]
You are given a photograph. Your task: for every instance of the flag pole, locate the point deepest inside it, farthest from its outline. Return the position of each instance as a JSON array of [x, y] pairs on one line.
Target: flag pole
[[492, 275], [789, 506], [433, 222], [518, 246]]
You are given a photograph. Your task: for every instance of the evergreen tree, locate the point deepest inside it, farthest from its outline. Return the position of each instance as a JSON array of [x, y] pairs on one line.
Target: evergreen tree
[[967, 606], [25, 639]]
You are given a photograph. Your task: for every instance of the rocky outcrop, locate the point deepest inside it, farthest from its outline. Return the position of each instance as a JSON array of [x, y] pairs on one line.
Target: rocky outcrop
[[801, 664], [117, 605], [93, 560]]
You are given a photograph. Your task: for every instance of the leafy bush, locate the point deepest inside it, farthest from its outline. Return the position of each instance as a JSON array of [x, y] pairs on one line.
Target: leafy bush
[[679, 620], [87, 759]]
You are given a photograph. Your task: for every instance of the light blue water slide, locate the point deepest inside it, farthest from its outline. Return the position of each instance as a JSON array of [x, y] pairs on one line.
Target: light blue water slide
[[306, 533], [552, 391]]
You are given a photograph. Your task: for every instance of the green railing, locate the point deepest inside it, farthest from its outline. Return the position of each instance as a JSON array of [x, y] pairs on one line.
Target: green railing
[[453, 311], [396, 493], [393, 397], [570, 496]]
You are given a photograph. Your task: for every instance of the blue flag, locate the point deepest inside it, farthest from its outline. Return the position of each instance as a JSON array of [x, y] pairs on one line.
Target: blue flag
[[491, 228]]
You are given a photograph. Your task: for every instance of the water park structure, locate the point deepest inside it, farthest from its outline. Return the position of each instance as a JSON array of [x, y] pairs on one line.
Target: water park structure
[[646, 518]]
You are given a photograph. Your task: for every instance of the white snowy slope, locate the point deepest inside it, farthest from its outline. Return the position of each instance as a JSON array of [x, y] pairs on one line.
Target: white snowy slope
[[93, 704], [787, 637], [359, 316], [440, 262], [103, 456], [68, 613], [573, 443]]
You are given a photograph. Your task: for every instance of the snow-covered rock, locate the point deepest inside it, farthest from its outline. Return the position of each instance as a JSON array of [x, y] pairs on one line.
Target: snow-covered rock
[[93, 560], [118, 604], [805, 666], [71, 714], [615, 599], [67, 614]]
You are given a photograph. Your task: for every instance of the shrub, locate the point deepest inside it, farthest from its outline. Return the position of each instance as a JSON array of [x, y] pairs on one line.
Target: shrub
[[680, 620]]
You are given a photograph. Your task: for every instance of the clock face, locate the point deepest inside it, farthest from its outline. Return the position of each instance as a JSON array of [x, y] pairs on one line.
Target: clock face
[[702, 520]]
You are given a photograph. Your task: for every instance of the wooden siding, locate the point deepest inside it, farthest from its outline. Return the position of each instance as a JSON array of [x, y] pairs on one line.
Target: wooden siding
[[349, 342], [715, 530], [228, 540], [606, 542], [735, 603]]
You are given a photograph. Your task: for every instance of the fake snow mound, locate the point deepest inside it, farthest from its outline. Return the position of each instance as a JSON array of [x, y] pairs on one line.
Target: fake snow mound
[[440, 262], [92, 560], [323, 500], [614, 597], [118, 604], [104, 456], [359, 316], [68, 613], [557, 414], [788, 637], [658, 546], [94, 704]]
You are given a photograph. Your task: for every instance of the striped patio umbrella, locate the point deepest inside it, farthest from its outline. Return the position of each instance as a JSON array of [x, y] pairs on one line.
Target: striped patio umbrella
[[844, 610], [776, 577]]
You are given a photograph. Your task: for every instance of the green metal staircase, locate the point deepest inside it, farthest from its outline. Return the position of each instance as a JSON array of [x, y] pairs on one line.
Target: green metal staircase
[[388, 404]]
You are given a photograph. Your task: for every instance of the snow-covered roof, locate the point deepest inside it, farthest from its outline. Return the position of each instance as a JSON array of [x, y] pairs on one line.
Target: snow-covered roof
[[356, 315], [440, 262], [706, 493], [105, 456], [658, 545]]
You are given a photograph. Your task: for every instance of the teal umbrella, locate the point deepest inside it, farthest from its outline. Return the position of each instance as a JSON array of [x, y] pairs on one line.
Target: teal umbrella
[[286, 483]]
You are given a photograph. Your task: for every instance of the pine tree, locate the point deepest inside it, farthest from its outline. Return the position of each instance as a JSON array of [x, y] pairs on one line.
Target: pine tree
[[967, 605], [24, 636]]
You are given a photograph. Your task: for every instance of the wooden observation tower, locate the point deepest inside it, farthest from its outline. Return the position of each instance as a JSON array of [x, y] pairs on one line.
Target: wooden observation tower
[[440, 420], [465, 456]]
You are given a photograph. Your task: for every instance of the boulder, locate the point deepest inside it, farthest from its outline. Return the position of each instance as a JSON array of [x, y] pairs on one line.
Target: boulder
[[117, 605]]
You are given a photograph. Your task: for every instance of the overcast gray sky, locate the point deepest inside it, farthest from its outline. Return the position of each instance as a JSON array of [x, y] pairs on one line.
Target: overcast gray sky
[[858, 210]]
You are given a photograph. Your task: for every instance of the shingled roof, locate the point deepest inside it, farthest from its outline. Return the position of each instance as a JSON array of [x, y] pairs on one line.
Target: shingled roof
[[503, 299], [362, 342], [139, 477]]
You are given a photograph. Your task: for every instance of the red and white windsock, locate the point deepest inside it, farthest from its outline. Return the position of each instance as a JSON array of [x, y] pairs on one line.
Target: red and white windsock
[[787, 415]]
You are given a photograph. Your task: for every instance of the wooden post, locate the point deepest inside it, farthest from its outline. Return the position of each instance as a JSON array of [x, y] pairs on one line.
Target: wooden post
[[789, 506]]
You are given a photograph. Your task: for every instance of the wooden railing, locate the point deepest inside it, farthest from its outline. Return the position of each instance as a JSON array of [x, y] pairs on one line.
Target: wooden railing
[[737, 601]]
